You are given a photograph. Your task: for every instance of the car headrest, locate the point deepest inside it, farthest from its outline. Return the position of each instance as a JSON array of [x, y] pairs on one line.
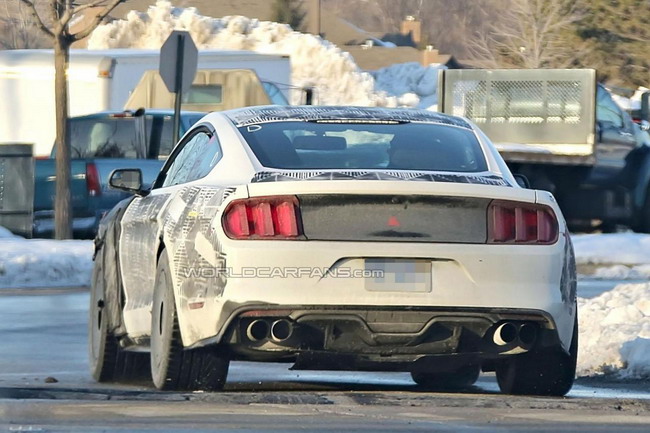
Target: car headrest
[[319, 142]]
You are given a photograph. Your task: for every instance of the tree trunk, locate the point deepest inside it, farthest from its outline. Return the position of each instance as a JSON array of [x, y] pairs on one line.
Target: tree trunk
[[62, 204]]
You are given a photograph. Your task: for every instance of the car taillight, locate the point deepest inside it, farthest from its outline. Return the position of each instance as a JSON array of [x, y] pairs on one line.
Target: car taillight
[[263, 218], [521, 223], [93, 184]]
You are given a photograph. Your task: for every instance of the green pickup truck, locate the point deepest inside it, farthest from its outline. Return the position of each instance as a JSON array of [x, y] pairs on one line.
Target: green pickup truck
[[101, 143]]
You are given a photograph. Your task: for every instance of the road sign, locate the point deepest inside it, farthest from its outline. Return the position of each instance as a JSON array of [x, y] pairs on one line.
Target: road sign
[[178, 59]]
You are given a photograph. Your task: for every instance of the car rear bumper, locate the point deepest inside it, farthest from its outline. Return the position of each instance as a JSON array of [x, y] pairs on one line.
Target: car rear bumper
[[464, 277], [317, 337]]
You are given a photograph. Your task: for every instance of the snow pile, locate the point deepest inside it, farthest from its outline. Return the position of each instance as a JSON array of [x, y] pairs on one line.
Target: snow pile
[[410, 83], [615, 248], [6, 234], [615, 332], [44, 263], [622, 272], [314, 61]]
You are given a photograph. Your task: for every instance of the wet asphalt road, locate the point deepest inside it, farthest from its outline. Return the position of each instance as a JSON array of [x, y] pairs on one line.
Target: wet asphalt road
[[43, 335]]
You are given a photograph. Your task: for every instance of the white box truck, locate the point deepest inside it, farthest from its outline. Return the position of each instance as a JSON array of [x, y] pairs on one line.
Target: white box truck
[[102, 80]]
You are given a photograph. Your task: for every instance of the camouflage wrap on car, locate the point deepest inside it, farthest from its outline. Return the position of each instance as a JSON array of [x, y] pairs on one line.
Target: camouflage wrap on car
[[257, 115], [138, 249], [106, 276], [183, 221], [193, 243], [569, 281], [281, 176]]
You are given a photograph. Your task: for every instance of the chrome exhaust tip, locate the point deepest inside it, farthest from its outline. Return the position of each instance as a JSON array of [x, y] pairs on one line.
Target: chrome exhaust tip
[[505, 334], [257, 330], [527, 334], [281, 330]]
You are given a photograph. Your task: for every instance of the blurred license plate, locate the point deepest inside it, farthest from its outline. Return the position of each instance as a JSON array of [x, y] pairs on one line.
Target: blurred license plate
[[393, 275]]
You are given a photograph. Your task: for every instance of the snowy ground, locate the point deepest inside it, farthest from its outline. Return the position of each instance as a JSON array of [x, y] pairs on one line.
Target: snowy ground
[[615, 248], [618, 256], [43, 263], [614, 327]]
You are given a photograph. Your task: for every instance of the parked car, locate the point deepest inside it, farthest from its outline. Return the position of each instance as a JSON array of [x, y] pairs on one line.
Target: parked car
[[336, 238], [100, 143]]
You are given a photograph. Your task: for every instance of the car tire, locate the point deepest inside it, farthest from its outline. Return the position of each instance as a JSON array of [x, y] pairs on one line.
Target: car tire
[[108, 361], [174, 368], [547, 372], [462, 378]]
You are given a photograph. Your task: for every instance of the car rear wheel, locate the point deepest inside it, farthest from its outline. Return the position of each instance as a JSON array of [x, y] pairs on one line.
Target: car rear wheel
[[172, 366], [462, 378], [108, 361], [549, 372]]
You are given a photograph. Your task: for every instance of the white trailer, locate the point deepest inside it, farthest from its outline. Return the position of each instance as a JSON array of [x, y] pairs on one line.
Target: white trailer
[[99, 80]]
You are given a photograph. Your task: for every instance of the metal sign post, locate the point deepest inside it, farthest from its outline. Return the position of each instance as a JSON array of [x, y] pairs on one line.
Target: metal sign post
[[178, 62]]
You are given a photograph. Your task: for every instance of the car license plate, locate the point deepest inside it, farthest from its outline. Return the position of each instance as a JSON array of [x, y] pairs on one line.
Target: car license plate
[[398, 275]]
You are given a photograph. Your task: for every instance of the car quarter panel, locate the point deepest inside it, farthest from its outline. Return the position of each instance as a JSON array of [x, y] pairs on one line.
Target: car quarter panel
[[182, 219], [139, 241]]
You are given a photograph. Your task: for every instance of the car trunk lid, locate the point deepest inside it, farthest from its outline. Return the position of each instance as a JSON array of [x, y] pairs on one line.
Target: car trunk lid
[[392, 211]]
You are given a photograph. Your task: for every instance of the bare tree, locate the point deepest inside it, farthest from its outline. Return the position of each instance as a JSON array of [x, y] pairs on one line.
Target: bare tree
[[450, 25], [61, 13], [18, 29], [532, 34]]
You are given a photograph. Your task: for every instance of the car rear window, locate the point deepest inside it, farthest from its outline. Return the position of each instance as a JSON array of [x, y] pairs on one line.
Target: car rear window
[[116, 137], [336, 145]]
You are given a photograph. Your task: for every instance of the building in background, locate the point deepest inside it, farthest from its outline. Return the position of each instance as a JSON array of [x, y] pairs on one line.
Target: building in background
[[370, 50]]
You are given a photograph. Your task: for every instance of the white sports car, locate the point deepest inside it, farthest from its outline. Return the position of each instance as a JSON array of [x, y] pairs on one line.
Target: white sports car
[[335, 238]]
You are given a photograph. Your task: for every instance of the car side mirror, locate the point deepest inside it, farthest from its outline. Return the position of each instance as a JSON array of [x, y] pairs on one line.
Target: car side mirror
[[522, 181], [127, 179]]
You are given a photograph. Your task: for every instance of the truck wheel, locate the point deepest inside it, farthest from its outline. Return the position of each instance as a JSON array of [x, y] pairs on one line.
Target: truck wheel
[[462, 378], [172, 367], [549, 372], [108, 362]]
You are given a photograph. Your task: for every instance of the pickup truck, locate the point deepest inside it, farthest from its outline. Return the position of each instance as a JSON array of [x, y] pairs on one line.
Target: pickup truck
[[563, 131], [101, 143]]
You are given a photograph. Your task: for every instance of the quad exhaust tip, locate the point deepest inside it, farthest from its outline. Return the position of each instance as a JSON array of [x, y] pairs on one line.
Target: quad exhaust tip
[[281, 330], [524, 334], [527, 334], [278, 331], [506, 333], [257, 330]]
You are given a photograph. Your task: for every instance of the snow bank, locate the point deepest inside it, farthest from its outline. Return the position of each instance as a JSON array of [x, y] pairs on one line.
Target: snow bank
[[44, 263], [622, 272], [615, 332], [6, 234], [314, 61], [410, 84], [615, 248]]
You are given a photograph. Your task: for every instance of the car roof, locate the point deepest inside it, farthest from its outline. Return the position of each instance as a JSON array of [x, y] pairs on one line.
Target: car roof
[[276, 113]]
